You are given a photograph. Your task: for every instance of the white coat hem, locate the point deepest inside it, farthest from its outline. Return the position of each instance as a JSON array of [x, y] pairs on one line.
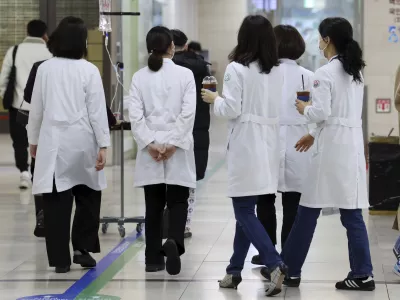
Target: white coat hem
[[143, 183], [252, 193], [63, 188], [334, 206]]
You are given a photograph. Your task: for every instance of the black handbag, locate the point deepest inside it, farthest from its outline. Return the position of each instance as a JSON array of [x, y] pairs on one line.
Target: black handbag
[[22, 116], [8, 97]]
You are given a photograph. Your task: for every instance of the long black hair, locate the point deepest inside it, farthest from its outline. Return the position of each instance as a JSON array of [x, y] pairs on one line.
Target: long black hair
[[69, 40], [158, 41], [340, 32], [256, 42]]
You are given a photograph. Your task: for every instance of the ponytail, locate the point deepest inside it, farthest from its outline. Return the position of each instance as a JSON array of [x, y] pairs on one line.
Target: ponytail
[[155, 61], [352, 61]]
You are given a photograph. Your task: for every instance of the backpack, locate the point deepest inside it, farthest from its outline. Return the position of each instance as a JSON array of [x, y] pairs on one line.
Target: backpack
[[8, 97]]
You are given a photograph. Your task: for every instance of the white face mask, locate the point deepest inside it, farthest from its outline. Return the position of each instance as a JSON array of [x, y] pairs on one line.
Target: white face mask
[[322, 50]]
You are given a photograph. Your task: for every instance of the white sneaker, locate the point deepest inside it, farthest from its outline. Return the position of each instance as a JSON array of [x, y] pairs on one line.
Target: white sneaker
[[25, 180]]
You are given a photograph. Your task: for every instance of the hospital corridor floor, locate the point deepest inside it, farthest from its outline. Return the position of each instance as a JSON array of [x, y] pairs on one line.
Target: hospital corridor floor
[[24, 270]]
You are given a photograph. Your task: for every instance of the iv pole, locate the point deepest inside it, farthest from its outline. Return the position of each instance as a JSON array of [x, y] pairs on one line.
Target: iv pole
[[121, 220]]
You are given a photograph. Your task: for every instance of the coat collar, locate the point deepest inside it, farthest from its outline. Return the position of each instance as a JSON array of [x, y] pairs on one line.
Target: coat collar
[[288, 61], [168, 60], [34, 40], [333, 57]]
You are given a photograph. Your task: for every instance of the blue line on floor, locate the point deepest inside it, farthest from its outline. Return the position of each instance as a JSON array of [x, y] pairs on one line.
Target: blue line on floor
[[92, 274]]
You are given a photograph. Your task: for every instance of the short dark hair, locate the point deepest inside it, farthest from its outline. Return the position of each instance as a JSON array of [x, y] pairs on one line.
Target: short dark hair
[[194, 46], [180, 39], [256, 43], [290, 43], [69, 40], [36, 28], [158, 40]]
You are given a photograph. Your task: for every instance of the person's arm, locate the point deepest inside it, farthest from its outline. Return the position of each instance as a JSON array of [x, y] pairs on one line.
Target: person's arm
[[36, 111], [30, 83], [141, 132], [5, 71], [397, 90], [185, 121], [97, 111], [230, 104], [320, 109]]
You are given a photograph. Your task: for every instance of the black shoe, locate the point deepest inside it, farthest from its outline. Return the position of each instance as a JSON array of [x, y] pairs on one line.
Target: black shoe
[[173, 264], [361, 284], [187, 234], [155, 268], [63, 269], [230, 281], [39, 229], [256, 260], [85, 260], [264, 272], [293, 282]]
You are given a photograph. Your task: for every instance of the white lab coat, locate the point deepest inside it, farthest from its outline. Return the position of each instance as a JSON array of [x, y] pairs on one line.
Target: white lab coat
[[68, 122], [293, 165], [251, 102], [162, 108], [337, 176]]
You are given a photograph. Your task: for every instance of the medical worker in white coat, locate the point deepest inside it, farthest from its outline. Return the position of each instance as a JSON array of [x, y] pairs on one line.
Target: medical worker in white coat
[[162, 108], [293, 164], [337, 175], [251, 100], [68, 134]]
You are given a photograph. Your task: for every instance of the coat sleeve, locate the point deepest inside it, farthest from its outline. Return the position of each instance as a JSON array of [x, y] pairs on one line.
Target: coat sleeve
[[230, 104], [185, 121], [141, 132], [97, 111], [397, 90], [5, 71], [36, 111], [320, 109]]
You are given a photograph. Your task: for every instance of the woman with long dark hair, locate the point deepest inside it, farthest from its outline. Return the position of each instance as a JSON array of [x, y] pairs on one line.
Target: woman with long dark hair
[[337, 176], [293, 165], [162, 108], [68, 135], [251, 99]]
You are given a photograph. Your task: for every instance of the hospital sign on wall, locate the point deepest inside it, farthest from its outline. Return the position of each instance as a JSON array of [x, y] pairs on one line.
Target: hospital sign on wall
[[383, 106]]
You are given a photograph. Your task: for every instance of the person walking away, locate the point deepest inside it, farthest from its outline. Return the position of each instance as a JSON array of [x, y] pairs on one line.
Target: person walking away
[[337, 175], [162, 108], [32, 49], [68, 135], [252, 94], [293, 165], [201, 136], [194, 47], [112, 121]]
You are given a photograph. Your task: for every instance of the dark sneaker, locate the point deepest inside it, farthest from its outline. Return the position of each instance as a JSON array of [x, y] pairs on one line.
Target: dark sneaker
[[396, 268], [39, 229], [61, 270], [155, 268], [256, 260], [230, 281], [396, 253], [264, 272], [293, 282], [362, 284], [275, 286], [85, 260], [188, 234], [173, 264]]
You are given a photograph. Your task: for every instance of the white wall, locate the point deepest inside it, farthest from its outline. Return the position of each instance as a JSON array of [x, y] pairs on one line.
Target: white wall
[[218, 23], [182, 14], [382, 60]]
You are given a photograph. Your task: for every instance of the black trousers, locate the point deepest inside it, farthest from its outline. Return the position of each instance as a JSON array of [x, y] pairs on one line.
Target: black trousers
[[57, 217], [19, 138], [156, 196], [266, 213], [38, 198]]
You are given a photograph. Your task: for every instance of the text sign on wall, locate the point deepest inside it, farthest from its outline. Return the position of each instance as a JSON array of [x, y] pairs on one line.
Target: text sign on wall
[[383, 106], [394, 12]]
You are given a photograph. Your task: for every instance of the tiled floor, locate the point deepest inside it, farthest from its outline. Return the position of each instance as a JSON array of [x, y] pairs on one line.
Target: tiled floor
[[24, 270]]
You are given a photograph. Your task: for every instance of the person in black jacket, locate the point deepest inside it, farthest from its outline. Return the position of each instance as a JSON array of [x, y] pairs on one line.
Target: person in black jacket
[[39, 229], [200, 69]]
